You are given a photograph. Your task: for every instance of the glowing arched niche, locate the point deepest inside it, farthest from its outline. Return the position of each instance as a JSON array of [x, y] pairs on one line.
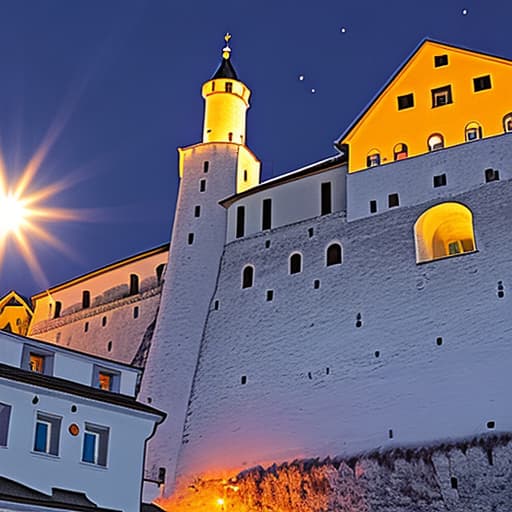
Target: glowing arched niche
[[444, 230]]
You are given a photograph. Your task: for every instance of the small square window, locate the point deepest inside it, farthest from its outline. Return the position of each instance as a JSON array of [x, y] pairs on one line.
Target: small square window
[[393, 200], [455, 247], [406, 101], [442, 96], [440, 180], [482, 83], [440, 60], [202, 185], [47, 434], [491, 175], [95, 445]]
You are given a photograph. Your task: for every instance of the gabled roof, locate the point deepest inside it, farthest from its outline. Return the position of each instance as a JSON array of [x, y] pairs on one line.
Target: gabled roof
[[387, 84], [14, 299]]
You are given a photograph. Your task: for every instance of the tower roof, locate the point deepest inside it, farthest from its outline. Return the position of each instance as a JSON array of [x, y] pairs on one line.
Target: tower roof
[[225, 69]]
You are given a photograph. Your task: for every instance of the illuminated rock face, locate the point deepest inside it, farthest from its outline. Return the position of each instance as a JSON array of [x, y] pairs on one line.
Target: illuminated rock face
[[384, 352], [474, 475]]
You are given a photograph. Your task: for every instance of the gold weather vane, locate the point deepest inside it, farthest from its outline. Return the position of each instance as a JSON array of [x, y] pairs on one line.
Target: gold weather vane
[[226, 51]]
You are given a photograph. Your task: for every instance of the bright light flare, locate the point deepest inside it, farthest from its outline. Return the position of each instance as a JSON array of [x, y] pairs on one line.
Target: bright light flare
[[13, 215]]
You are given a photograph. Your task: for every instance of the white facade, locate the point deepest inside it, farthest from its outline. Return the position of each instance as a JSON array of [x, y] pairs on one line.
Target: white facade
[[57, 431]]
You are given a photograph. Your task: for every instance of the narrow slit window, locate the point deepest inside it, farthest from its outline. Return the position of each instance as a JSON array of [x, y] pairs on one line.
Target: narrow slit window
[[266, 217], [86, 299], [326, 199], [190, 238], [197, 211], [240, 221], [202, 185], [58, 309], [206, 166], [373, 206], [248, 277], [134, 284], [295, 263]]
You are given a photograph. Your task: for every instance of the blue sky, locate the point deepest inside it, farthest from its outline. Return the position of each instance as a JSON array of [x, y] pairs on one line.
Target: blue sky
[[125, 76]]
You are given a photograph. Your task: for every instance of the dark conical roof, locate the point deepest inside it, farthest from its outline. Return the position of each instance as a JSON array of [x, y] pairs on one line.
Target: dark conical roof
[[225, 70]]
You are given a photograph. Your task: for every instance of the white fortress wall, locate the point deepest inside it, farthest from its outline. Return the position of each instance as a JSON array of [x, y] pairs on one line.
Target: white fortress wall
[[292, 201], [116, 314], [413, 178], [317, 385]]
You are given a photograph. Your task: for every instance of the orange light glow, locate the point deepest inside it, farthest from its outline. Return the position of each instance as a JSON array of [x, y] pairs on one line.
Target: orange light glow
[[220, 502]]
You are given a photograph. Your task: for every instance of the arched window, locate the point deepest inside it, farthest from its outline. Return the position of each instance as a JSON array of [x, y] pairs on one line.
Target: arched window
[[86, 299], [248, 276], [373, 158], [333, 255], [507, 123], [295, 263], [444, 230], [435, 141], [134, 284], [473, 131], [160, 272], [400, 151]]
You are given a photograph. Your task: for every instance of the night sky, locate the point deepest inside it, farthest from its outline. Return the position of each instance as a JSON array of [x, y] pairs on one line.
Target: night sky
[[122, 80]]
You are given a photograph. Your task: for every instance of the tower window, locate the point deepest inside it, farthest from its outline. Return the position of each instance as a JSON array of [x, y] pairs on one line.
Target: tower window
[[295, 263], [248, 276], [482, 83], [440, 180], [86, 326], [104, 321], [206, 166], [228, 86], [86, 299], [266, 217], [5, 415], [326, 201], [333, 255], [245, 175], [373, 206], [136, 312], [134, 284], [440, 60], [240, 221], [405, 101], [442, 96], [393, 200], [190, 238], [202, 185], [197, 211], [160, 272]]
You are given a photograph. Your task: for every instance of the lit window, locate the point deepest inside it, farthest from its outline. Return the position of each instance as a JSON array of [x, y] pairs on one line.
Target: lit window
[[95, 446], [507, 123], [5, 415], [373, 158], [295, 263], [473, 131], [47, 434], [248, 276], [440, 60], [442, 96], [444, 230], [405, 101], [106, 379], [482, 83], [36, 363], [333, 256], [400, 151], [435, 142]]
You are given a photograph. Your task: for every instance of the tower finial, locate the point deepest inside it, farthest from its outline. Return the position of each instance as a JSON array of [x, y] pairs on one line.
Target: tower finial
[[226, 51]]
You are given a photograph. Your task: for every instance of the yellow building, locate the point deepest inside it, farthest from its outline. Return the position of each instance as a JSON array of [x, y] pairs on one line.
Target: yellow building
[[15, 313], [441, 96]]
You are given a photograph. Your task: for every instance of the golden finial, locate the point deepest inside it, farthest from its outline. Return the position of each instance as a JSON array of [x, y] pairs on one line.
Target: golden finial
[[226, 51]]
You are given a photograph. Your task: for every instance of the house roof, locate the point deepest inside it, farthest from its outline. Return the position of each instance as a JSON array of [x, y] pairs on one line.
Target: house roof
[[74, 388], [13, 491], [338, 142], [13, 298]]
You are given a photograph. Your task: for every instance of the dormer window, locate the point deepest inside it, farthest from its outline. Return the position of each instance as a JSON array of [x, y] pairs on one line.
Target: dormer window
[[37, 360], [106, 379], [442, 96], [229, 86], [36, 363]]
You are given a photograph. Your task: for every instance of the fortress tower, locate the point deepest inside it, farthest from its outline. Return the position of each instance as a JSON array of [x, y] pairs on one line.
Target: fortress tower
[[218, 167]]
